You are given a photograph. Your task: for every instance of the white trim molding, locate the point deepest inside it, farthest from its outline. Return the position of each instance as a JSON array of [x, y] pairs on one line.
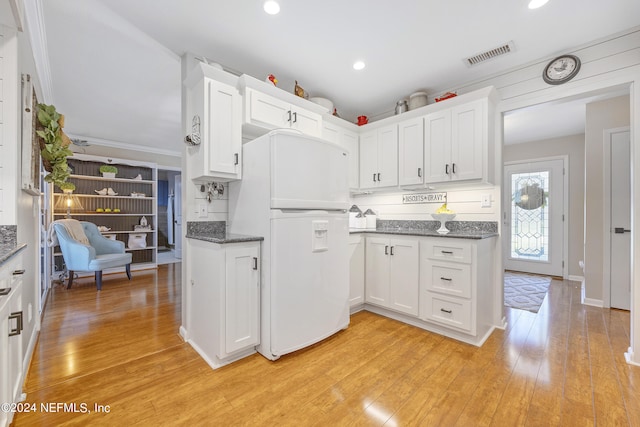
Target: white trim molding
[[125, 145], [589, 301], [34, 15]]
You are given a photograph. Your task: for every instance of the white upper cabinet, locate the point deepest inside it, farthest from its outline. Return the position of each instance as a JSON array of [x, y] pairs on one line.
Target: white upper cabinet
[[272, 113], [349, 140], [214, 112], [379, 158], [456, 143], [267, 107], [411, 151]]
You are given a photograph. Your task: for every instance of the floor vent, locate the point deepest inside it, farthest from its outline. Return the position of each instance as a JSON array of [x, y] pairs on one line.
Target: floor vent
[[489, 54]]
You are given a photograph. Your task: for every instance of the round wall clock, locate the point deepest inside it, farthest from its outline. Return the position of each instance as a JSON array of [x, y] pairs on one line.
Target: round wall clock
[[561, 70]]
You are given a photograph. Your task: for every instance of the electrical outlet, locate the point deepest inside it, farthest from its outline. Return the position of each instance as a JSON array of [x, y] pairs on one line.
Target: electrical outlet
[[485, 201], [202, 210]]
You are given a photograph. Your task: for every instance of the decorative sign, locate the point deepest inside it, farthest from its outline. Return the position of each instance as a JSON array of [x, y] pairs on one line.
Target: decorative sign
[[424, 198]]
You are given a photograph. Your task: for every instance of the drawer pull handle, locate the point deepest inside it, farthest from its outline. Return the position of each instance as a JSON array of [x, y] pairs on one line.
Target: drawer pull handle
[[386, 250], [391, 250], [445, 278], [447, 252], [255, 263], [19, 326], [445, 311], [18, 272]]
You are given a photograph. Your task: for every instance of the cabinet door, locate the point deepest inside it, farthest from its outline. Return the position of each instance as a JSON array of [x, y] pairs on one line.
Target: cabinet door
[[377, 271], [437, 147], [388, 156], [15, 347], [411, 151], [241, 298], [267, 111], [224, 128], [331, 132], [404, 282], [467, 142], [349, 140], [356, 270], [306, 122], [368, 159]]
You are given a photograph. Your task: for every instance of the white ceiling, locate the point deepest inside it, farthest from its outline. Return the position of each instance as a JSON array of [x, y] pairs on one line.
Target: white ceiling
[[115, 64]]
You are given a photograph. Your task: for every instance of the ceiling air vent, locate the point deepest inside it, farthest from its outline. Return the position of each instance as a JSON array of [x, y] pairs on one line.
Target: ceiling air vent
[[489, 54]]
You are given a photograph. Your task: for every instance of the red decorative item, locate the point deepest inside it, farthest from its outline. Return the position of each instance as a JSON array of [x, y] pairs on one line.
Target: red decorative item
[[446, 96], [362, 120]]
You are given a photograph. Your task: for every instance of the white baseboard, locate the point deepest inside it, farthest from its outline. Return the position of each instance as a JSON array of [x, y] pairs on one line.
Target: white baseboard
[[576, 278], [184, 334], [589, 301], [629, 357]]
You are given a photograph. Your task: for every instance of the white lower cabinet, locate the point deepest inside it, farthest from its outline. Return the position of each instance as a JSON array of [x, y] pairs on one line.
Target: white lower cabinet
[[356, 270], [445, 285], [455, 283], [11, 321], [224, 300], [392, 273]]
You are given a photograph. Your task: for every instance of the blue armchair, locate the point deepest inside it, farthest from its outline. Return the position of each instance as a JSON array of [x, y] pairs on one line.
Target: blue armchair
[[101, 252]]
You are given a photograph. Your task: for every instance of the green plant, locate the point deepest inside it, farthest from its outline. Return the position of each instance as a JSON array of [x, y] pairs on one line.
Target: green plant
[[108, 169], [70, 186], [53, 144]]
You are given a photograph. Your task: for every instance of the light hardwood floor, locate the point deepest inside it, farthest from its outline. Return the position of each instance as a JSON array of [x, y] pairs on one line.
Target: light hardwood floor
[[120, 347]]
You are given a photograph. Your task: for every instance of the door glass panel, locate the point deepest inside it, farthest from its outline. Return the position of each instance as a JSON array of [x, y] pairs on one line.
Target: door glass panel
[[530, 216]]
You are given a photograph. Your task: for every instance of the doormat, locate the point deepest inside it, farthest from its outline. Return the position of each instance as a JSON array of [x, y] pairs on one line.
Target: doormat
[[524, 291]]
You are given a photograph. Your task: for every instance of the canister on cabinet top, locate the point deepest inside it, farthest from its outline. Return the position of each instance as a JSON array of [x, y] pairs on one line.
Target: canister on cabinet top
[[401, 106]]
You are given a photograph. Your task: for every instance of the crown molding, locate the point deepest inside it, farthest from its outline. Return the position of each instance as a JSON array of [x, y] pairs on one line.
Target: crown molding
[[125, 146], [34, 16]]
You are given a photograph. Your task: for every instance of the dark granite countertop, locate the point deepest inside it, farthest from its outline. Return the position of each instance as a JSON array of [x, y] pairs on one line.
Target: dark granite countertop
[[424, 233], [215, 232], [458, 229], [7, 250]]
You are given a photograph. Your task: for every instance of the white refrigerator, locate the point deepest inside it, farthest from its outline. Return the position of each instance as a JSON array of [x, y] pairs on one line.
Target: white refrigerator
[[295, 193]]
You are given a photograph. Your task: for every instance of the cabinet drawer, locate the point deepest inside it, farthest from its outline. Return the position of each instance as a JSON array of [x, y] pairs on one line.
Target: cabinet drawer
[[448, 311], [449, 278], [450, 251]]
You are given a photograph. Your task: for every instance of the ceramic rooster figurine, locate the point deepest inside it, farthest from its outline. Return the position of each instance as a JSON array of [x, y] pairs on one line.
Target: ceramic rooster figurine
[[271, 79]]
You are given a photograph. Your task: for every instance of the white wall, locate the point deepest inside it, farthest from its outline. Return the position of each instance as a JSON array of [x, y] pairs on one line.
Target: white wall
[[464, 201], [573, 147]]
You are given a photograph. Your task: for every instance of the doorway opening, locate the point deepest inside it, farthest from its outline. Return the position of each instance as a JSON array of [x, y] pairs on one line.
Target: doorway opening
[[169, 216]]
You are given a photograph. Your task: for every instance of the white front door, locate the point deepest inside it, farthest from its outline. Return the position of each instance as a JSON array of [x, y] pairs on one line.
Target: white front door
[[620, 211], [533, 217]]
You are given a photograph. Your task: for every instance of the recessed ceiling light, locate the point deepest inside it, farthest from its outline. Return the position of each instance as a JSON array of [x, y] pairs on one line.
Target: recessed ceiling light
[[358, 65], [534, 4], [271, 7]]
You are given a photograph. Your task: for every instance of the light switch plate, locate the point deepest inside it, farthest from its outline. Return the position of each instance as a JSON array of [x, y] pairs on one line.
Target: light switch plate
[[202, 210], [485, 201]]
